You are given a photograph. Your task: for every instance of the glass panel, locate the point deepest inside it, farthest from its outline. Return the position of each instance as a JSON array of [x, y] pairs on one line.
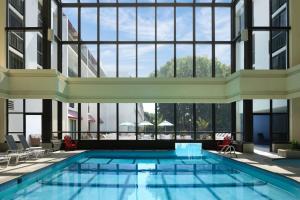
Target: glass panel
[[89, 121], [70, 122], [34, 57], [108, 24], [146, 24], [108, 60], [34, 105], [223, 1], [146, 60], [184, 24], [203, 24], [203, 60], [16, 12], [261, 53], [70, 60], [279, 49], [184, 60], [280, 124], [15, 123], [33, 13], [16, 50], [127, 29], [88, 1], [204, 121], [240, 51], [261, 13], [127, 61], [184, 121], [223, 60], [223, 118], [89, 61], [127, 121], [239, 17], [108, 121], [54, 17], [223, 24], [33, 125], [15, 105], [165, 60], [89, 24], [239, 120], [70, 24], [279, 106], [54, 50], [261, 106], [165, 121], [146, 121], [165, 23]]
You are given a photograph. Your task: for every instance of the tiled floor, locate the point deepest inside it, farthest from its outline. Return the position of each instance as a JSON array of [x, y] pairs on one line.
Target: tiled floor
[[272, 163], [14, 171]]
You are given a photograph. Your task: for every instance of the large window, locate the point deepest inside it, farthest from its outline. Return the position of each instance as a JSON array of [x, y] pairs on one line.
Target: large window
[[151, 40]]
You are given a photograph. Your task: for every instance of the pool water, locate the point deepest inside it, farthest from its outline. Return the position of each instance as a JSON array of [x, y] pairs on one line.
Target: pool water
[[167, 175]]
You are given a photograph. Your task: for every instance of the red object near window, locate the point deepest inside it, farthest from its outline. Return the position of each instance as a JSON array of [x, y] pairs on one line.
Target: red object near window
[[226, 142], [69, 143]]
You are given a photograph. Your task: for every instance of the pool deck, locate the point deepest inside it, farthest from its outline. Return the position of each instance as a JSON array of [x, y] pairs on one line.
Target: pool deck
[[258, 159], [28, 166], [267, 161]]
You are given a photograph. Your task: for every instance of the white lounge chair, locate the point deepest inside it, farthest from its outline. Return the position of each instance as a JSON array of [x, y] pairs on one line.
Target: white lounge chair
[[4, 158], [37, 151], [14, 150]]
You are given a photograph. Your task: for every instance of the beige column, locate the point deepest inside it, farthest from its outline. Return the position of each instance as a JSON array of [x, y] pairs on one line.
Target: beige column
[[294, 33], [3, 65], [295, 119], [294, 60]]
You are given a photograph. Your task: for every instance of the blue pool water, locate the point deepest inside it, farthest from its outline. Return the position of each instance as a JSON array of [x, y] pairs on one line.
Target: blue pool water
[[185, 174]]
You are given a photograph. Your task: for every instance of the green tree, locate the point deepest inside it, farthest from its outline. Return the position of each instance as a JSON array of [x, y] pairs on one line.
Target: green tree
[[203, 69]]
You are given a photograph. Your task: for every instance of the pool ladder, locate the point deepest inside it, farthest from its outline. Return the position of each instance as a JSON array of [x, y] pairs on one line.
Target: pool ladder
[[228, 150]]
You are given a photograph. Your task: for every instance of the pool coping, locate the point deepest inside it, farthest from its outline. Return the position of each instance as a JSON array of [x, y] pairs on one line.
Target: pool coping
[[30, 174], [260, 167]]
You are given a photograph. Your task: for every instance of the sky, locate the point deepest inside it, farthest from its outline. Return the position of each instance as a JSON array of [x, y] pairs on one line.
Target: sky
[[146, 32]]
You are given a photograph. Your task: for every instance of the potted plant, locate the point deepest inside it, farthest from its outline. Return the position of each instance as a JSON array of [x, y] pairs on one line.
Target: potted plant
[[295, 145]]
